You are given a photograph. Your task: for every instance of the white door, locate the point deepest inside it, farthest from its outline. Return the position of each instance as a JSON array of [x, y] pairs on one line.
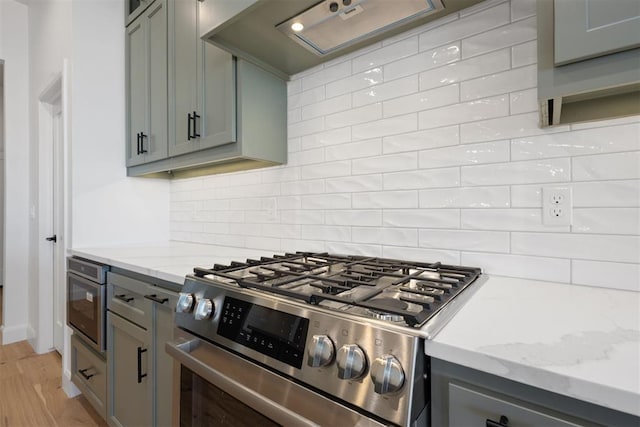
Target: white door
[[58, 257]]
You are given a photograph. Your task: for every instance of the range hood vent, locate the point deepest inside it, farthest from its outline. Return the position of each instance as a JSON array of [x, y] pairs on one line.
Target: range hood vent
[[332, 25]]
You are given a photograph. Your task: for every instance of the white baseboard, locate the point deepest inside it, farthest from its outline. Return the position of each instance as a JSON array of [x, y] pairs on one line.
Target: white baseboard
[[11, 334], [69, 388]]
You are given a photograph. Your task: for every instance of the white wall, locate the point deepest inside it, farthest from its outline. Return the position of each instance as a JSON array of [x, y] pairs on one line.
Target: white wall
[[426, 146], [14, 52], [107, 207]]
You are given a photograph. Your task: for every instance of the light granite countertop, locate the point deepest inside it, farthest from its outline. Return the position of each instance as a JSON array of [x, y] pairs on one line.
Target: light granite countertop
[[577, 341]]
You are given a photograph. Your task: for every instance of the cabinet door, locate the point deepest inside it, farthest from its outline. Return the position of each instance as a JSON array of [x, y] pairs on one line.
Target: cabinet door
[[589, 28], [136, 89], [129, 372], [184, 38], [155, 141], [162, 331], [217, 96]]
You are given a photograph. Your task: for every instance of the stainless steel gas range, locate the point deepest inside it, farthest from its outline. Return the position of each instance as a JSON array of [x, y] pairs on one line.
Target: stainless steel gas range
[[312, 339]]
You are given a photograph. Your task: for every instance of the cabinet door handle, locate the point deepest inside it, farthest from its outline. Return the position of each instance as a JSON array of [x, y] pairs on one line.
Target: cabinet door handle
[[142, 136], [504, 422], [195, 116], [140, 374], [189, 127], [124, 297], [83, 372], [154, 298], [138, 140]]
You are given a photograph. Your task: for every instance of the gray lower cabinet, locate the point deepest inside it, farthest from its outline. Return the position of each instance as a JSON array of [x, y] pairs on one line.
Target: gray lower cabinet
[[89, 374], [146, 79], [139, 323], [462, 397]]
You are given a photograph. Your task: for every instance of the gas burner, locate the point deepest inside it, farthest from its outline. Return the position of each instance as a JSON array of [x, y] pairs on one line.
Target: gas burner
[[388, 309]]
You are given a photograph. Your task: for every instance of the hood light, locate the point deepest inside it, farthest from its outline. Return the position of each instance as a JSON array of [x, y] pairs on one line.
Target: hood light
[[297, 27]]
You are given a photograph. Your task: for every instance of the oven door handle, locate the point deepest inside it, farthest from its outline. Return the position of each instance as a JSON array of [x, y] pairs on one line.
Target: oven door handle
[[182, 352]]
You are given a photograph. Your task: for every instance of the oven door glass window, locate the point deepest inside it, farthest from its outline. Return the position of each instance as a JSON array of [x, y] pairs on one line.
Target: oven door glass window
[[203, 404], [84, 306]]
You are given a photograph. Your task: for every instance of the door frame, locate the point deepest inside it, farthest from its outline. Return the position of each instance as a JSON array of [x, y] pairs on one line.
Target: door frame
[[54, 97]]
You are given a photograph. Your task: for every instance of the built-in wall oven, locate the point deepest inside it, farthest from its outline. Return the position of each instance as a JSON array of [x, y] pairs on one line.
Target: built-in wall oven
[[86, 302], [311, 339]]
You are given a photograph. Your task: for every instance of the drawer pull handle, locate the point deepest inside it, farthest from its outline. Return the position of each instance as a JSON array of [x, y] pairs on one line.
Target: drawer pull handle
[[504, 422], [123, 297], [154, 298], [83, 372], [140, 374]]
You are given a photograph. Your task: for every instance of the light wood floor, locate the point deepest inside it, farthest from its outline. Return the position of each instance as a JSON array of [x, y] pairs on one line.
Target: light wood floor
[[31, 392]]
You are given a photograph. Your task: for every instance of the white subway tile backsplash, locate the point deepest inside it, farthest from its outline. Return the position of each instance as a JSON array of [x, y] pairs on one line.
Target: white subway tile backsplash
[[581, 246], [386, 199], [467, 26], [354, 116], [322, 108], [354, 150], [467, 69], [506, 127], [355, 82], [433, 178], [577, 143], [326, 170], [550, 170], [465, 240], [385, 127], [524, 54], [499, 38], [524, 101], [606, 274], [361, 217], [385, 55], [385, 236], [527, 267], [422, 61], [606, 220], [480, 109], [467, 154], [517, 79], [423, 218], [607, 166], [465, 197], [384, 91], [426, 146], [354, 184], [420, 140], [421, 101], [507, 219], [387, 163], [421, 254]]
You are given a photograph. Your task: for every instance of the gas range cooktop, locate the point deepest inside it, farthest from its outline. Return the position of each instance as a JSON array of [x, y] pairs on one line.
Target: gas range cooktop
[[399, 292]]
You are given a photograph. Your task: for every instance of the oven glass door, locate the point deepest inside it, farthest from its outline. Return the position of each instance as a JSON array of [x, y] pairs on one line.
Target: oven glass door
[[85, 309], [202, 403]]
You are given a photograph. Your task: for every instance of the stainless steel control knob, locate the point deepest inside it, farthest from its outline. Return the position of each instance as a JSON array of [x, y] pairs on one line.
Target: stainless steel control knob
[[321, 351], [387, 374], [185, 303], [204, 309], [351, 361]]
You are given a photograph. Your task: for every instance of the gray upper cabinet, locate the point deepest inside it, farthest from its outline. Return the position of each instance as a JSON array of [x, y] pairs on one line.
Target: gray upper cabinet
[[133, 9], [202, 84], [589, 28], [146, 77]]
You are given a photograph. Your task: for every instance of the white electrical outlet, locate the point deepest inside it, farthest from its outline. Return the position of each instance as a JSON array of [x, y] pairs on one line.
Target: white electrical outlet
[[557, 206]]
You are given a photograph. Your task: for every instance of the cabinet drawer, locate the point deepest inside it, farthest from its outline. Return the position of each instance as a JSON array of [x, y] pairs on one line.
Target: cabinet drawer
[[472, 408], [89, 374], [125, 296]]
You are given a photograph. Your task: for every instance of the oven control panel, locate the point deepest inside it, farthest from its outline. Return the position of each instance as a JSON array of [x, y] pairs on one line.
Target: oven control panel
[[276, 334]]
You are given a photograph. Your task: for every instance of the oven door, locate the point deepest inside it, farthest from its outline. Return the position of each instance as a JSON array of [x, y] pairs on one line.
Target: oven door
[[215, 387], [85, 310]]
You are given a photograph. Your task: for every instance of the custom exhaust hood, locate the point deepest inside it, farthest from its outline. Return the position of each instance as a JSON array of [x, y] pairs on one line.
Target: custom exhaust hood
[[289, 36]]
